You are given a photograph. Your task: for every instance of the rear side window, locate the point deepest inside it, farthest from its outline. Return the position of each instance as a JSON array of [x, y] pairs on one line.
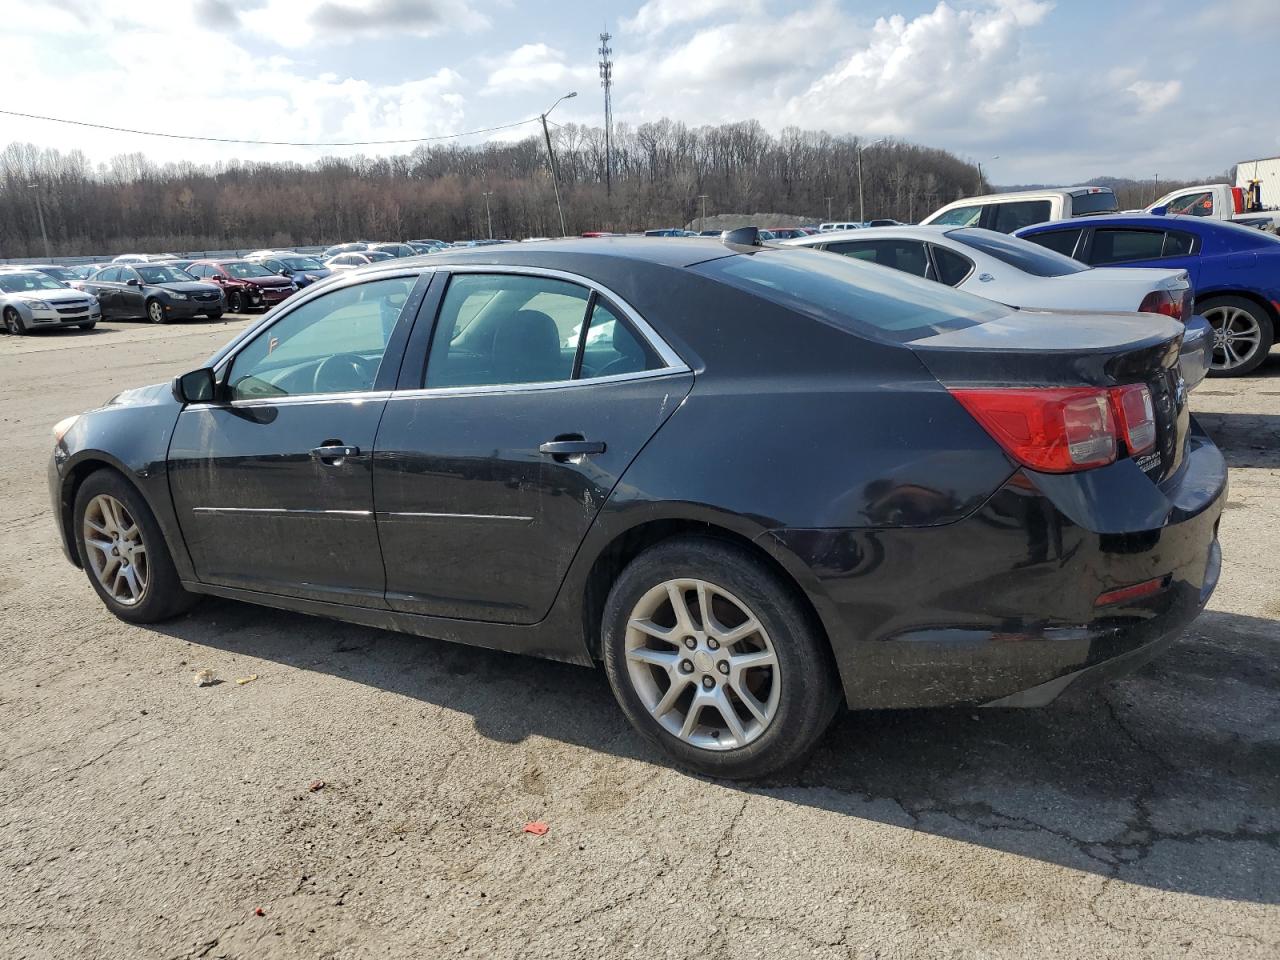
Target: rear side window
[[1060, 241], [905, 255], [852, 295], [1178, 244], [1099, 201], [1021, 213], [612, 347], [1018, 253], [952, 267], [1119, 246], [960, 216]]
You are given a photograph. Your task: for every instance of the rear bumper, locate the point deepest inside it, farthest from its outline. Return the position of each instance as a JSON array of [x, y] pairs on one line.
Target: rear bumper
[[1196, 354], [999, 608]]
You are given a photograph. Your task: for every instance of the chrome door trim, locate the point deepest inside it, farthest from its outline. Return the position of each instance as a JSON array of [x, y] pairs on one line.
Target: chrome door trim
[[284, 510], [451, 516], [426, 393]]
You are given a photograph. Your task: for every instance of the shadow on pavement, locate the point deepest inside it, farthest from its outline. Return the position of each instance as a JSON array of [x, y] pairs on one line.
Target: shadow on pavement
[[1169, 778], [1246, 439]]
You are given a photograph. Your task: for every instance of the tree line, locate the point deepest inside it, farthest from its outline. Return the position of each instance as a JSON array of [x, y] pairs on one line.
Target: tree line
[[661, 175]]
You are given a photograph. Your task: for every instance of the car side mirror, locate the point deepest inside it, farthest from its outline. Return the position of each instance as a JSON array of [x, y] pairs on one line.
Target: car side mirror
[[1160, 211], [133, 282], [198, 386], [285, 273]]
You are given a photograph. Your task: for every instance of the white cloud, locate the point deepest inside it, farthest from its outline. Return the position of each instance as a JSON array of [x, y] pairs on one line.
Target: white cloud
[[291, 24], [535, 66], [657, 15], [1152, 96]]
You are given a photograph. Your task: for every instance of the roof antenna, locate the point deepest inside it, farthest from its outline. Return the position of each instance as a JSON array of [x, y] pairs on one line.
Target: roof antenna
[[743, 236]]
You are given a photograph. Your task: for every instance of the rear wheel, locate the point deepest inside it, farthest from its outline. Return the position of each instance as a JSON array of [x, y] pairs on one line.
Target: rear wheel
[[124, 553], [1242, 335], [12, 322], [713, 658], [155, 311]]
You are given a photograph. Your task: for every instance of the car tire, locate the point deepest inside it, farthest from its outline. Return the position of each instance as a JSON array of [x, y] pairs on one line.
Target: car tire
[[1249, 335], [214, 315], [792, 681], [88, 326], [235, 302], [125, 521], [155, 311], [13, 322]]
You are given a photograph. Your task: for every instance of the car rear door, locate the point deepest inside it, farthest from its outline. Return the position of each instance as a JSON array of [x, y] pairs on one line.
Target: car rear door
[[106, 287], [273, 483], [494, 458], [131, 299]]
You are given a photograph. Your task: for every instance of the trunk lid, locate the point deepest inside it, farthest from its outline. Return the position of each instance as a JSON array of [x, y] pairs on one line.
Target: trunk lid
[[1028, 348]]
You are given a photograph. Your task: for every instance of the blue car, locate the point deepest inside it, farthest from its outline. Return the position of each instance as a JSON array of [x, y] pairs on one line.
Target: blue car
[[302, 270], [1234, 270]]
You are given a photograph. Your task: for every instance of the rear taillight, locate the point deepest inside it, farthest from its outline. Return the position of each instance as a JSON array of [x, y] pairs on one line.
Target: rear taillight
[[1237, 199], [1135, 417], [1064, 429], [1175, 304]]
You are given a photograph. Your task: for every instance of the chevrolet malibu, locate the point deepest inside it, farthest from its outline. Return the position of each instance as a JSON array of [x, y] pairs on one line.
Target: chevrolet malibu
[[757, 484]]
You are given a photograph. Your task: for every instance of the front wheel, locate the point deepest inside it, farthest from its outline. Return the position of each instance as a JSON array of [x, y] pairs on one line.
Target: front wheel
[[88, 326], [214, 314], [1242, 335], [155, 311], [235, 302], [13, 323], [713, 658], [124, 553]]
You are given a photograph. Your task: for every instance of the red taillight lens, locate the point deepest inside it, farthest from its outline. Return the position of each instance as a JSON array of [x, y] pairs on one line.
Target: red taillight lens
[[1054, 430], [1172, 304], [1237, 199], [1136, 417], [1136, 592]]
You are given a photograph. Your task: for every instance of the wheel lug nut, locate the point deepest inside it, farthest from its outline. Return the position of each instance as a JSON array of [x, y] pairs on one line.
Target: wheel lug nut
[[690, 642], [686, 666], [724, 667], [713, 643], [707, 683]]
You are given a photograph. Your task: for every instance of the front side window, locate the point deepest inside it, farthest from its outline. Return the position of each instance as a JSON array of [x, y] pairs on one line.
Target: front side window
[[905, 255], [1021, 213], [1119, 246], [1059, 241], [1193, 205], [1016, 252], [959, 217], [332, 344]]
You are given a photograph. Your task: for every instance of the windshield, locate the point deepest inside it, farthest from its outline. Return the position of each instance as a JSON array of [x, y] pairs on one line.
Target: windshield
[[1026, 256], [22, 282], [59, 273], [1104, 201], [242, 268], [301, 263], [163, 274], [378, 255], [852, 294]]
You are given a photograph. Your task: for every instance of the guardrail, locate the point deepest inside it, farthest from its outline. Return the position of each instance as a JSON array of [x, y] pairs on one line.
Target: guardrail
[[185, 255]]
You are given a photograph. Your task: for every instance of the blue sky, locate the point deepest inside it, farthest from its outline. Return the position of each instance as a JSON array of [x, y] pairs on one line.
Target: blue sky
[[1038, 91]]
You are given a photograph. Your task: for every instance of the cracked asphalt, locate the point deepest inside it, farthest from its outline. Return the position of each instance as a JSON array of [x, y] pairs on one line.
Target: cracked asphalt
[[142, 816]]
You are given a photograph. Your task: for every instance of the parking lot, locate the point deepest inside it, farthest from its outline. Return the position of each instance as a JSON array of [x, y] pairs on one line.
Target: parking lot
[[364, 793]]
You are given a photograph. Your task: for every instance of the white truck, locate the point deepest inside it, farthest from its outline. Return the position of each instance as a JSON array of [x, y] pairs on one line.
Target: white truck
[[1007, 212], [1219, 201]]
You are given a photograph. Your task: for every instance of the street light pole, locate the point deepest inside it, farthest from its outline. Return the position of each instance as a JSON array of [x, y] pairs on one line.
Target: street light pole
[[828, 199], [555, 172], [487, 214], [862, 213], [703, 224], [982, 181], [40, 216]]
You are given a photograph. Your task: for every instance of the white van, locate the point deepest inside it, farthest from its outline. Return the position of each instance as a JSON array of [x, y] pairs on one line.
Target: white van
[[828, 227], [1007, 212]]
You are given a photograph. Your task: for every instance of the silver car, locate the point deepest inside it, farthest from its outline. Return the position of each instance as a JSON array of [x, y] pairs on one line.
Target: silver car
[[30, 300]]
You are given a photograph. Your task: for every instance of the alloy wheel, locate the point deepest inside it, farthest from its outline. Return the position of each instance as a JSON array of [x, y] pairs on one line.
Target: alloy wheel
[[1236, 336], [11, 322], [155, 312], [117, 554], [702, 664]]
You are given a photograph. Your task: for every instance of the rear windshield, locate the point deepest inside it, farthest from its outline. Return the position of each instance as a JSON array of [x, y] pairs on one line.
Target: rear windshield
[[851, 293], [1022, 254], [1102, 202]]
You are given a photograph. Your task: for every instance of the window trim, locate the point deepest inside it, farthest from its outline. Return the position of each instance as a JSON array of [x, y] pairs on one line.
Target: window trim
[[672, 362]]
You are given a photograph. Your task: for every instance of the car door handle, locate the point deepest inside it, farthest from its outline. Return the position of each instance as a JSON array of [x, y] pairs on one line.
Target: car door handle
[[571, 448], [333, 451]]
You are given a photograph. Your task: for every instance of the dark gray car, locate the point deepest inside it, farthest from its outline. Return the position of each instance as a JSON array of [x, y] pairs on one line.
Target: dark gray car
[[156, 291]]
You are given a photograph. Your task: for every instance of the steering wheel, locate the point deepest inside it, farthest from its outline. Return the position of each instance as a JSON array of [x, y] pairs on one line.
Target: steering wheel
[[344, 372]]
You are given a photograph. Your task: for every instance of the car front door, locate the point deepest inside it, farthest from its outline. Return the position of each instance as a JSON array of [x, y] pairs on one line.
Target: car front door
[[491, 465], [131, 299], [272, 483]]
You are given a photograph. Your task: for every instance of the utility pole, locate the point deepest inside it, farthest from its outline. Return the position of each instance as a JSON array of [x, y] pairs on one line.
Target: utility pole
[[828, 199], [981, 181], [40, 216], [1155, 185], [487, 214], [551, 155], [606, 81], [703, 224], [862, 213]]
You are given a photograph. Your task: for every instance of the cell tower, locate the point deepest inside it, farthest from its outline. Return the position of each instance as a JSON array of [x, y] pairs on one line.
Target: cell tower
[[606, 81]]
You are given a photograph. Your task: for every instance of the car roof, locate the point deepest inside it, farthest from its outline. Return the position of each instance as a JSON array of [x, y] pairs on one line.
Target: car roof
[[1152, 221], [657, 250], [925, 231]]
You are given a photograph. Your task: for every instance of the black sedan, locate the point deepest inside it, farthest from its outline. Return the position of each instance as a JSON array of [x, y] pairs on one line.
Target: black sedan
[[154, 291], [757, 483]]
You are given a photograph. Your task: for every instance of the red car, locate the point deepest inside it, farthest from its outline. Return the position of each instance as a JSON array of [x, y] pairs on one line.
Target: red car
[[248, 286]]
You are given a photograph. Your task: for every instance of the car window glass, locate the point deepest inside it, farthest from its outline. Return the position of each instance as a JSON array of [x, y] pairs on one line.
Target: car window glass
[[1060, 241], [905, 255], [108, 275], [1018, 214], [612, 347], [127, 274], [1178, 244], [952, 267], [1097, 200], [242, 268], [332, 344], [504, 328], [1117, 246], [1027, 257], [960, 217], [1193, 205]]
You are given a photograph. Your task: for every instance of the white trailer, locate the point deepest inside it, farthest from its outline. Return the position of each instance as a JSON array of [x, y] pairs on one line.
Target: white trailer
[[1266, 173]]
